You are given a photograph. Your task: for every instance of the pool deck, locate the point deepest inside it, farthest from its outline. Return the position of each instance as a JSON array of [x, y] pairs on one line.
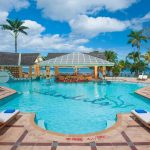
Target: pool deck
[[22, 134], [5, 92], [144, 92], [128, 79]]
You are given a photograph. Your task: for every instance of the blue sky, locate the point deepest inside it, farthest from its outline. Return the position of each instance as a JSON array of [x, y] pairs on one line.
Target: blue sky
[[75, 25]]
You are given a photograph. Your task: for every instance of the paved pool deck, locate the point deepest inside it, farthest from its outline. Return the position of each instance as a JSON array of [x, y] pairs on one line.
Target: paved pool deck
[[6, 92], [144, 92], [128, 79], [23, 134]]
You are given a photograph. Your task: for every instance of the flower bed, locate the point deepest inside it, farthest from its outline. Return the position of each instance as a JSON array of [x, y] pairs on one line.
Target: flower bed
[[74, 78]]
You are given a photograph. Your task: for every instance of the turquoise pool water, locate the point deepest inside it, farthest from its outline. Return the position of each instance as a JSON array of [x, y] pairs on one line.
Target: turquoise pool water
[[75, 108]]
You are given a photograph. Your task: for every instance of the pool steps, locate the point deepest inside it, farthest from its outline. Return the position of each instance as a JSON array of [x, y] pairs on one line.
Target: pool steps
[[41, 123], [110, 123]]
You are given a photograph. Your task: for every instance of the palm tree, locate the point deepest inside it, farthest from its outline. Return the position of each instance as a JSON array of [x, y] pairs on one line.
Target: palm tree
[[116, 70], [136, 38], [122, 64], [136, 67], [16, 27], [147, 56], [133, 63], [133, 56], [110, 56]]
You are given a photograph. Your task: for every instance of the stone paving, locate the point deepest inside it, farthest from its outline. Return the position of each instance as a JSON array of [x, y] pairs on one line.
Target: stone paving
[[5, 92], [23, 134], [144, 92], [128, 79]]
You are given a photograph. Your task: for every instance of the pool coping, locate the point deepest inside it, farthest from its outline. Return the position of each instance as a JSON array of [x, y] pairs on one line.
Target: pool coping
[[114, 127], [145, 92], [6, 92], [128, 79]]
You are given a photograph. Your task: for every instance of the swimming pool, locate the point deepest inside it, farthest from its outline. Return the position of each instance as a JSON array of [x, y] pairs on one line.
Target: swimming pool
[[75, 108]]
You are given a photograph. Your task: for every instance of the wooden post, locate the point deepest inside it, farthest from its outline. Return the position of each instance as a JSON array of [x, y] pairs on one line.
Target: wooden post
[[30, 71], [38, 70], [95, 72], [1, 67], [56, 71], [20, 72], [104, 70], [35, 70], [76, 70], [47, 71]]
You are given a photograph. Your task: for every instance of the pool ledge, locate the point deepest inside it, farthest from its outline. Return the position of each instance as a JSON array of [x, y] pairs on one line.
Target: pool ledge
[[6, 92], [21, 134], [145, 92], [119, 126]]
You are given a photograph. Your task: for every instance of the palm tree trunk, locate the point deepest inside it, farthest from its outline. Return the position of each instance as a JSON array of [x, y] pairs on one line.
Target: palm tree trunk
[[139, 54], [15, 43]]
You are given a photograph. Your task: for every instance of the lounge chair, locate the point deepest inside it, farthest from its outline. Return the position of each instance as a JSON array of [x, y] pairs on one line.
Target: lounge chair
[[140, 77], [6, 116], [143, 116], [145, 77]]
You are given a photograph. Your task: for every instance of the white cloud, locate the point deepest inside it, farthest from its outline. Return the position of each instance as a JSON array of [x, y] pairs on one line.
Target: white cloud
[[82, 25], [80, 41], [8, 5], [51, 42], [34, 27], [91, 27], [137, 23], [37, 42], [3, 16], [75, 12], [147, 16], [64, 10]]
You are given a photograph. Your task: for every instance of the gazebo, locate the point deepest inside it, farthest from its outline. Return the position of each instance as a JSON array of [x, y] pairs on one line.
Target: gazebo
[[76, 60]]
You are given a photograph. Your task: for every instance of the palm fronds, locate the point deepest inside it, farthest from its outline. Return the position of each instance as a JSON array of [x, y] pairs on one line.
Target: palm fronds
[[16, 26]]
